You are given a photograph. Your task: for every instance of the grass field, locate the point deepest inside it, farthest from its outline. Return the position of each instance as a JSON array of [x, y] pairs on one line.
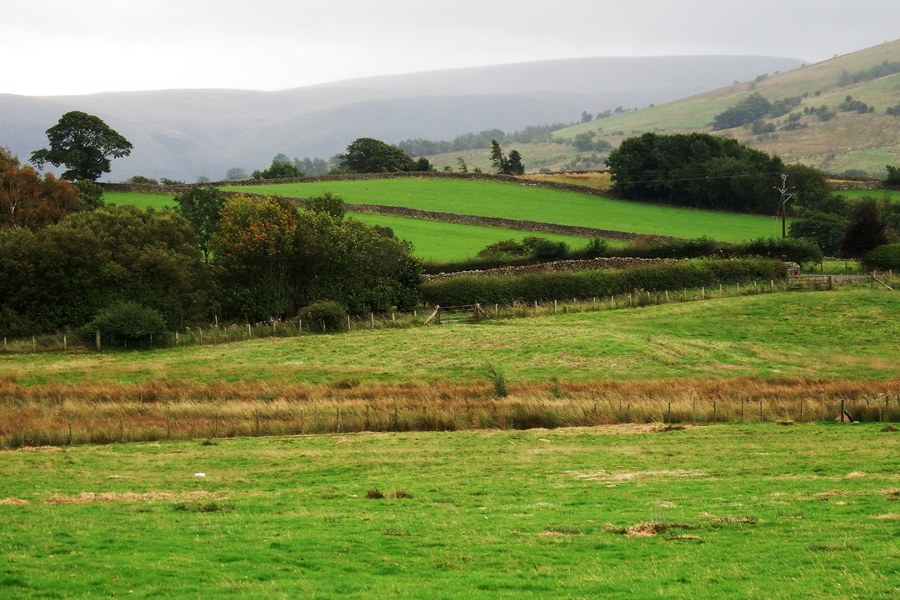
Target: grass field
[[536, 204], [847, 334], [736, 511], [432, 240], [893, 195]]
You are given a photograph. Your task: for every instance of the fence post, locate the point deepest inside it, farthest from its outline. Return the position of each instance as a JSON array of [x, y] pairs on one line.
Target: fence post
[[98, 340], [348, 322], [372, 315], [249, 332]]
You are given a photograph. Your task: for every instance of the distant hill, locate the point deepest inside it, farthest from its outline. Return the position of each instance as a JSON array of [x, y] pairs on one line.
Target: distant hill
[[846, 140], [183, 134]]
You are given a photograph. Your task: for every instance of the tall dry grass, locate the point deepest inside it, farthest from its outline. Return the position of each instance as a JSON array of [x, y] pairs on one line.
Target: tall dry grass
[[99, 413]]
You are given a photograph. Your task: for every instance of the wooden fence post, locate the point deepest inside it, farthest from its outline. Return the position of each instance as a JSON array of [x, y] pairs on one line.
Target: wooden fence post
[[98, 339]]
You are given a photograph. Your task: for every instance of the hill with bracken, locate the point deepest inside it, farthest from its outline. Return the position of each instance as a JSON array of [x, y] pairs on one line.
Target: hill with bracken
[[841, 115]]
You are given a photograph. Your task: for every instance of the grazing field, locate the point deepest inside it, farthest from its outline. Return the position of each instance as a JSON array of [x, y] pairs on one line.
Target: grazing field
[[536, 204], [850, 333], [770, 357], [725, 511], [891, 195], [432, 240]]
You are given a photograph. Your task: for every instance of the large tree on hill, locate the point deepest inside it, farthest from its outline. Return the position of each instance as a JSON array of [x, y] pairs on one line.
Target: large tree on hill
[[84, 143], [368, 155], [698, 170]]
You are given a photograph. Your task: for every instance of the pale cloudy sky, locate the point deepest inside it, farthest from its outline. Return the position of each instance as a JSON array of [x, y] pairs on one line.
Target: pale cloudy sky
[[55, 47]]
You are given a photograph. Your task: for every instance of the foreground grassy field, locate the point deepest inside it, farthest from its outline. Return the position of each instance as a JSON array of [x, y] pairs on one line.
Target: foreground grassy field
[[736, 511], [536, 204]]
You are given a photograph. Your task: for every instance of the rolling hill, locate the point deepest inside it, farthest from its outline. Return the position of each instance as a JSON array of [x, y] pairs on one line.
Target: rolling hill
[[183, 134], [848, 141]]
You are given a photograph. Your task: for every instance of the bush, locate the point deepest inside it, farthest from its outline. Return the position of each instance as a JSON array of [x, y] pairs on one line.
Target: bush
[[124, 324], [884, 258], [324, 314]]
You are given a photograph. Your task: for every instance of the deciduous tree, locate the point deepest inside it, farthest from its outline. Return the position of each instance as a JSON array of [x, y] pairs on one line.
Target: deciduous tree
[[26, 200], [84, 143], [368, 155]]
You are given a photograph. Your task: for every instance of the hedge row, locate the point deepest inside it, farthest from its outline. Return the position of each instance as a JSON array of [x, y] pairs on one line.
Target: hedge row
[[500, 289]]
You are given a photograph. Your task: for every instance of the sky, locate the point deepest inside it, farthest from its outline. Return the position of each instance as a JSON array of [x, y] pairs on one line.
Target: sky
[[62, 47]]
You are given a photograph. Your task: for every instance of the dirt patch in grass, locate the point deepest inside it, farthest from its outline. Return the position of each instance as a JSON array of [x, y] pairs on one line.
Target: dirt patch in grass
[[91, 497], [13, 502], [892, 516]]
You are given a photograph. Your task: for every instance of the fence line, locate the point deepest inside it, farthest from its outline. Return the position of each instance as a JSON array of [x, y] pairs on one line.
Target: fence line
[[219, 334]]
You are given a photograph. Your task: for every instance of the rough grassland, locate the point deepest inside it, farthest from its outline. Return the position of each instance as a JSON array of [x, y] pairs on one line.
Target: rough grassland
[[849, 334], [738, 511]]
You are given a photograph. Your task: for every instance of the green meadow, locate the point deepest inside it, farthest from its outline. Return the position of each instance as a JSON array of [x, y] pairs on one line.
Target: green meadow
[[535, 203], [702, 512], [432, 240], [848, 334]]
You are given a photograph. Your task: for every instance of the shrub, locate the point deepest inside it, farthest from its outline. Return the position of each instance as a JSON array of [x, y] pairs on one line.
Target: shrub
[[124, 324], [885, 258], [325, 314]]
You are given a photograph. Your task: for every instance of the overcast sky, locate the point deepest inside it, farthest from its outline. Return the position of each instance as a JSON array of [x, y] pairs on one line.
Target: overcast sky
[[55, 47]]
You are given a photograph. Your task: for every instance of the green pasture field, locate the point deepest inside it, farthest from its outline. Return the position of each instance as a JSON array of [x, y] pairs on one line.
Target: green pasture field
[[432, 240], [702, 512], [849, 333], [892, 195], [141, 200], [536, 204]]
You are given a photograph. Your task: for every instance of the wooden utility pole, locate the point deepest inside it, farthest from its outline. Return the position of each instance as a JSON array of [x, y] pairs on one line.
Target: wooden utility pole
[[785, 196]]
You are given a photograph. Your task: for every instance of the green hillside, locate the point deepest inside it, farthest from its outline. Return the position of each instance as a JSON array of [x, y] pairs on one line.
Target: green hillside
[[848, 141], [535, 204]]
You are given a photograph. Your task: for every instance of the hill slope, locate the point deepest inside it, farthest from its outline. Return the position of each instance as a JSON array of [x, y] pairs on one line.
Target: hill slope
[[182, 134], [848, 141]]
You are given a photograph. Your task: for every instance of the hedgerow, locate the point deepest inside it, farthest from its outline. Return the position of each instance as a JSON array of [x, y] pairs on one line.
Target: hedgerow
[[531, 287]]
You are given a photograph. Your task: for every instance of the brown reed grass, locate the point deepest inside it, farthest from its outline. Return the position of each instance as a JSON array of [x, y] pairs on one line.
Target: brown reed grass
[[94, 412]]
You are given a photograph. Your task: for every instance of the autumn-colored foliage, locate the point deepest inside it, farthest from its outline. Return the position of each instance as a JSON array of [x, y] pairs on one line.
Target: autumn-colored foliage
[[28, 201]]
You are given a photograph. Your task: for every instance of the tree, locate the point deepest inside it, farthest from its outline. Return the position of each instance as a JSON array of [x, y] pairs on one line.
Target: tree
[[201, 207], [498, 160], [514, 164], [746, 111], [252, 247], [864, 232], [64, 275], [327, 203], [28, 201], [698, 170], [367, 155], [84, 143], [893, 175], [824, 229], [235, 173], [281, 168]]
